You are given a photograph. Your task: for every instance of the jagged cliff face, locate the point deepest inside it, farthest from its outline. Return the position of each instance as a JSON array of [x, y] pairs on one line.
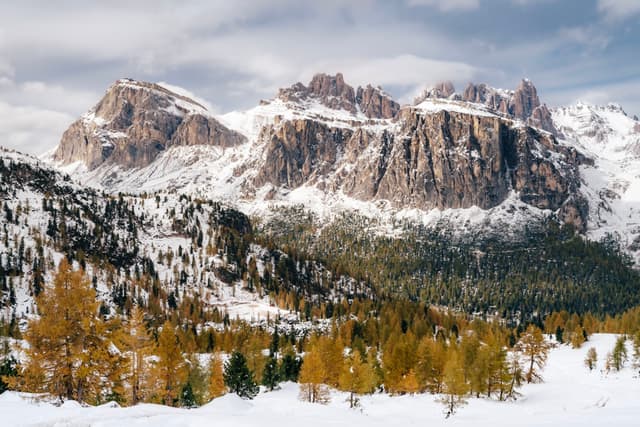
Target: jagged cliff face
[[333, 92], [428, 160], [137, 121], [445, 152], [522, 103]]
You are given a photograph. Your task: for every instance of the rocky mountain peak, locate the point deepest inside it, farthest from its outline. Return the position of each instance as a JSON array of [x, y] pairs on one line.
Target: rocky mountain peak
[[442, 89], [134, 122], [333, 92], [522, 104], [524, 100]]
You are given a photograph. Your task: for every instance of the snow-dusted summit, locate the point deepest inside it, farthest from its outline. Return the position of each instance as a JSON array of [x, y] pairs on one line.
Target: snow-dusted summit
[[328, 145], [611, 182]]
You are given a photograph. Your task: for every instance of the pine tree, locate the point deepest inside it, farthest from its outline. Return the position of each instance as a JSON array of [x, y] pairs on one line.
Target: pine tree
[[535, 349], [216, 378], [591, 359], [238, 378], [187, 397], [454, 385], [271, 374], [170, 369], [290, 367], [8, 371]]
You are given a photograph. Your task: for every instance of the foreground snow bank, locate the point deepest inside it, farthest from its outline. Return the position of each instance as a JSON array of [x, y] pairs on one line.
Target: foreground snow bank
[[570, 396]]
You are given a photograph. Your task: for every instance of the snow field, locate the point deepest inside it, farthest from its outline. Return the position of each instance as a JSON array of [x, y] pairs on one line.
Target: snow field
[[570, 396]]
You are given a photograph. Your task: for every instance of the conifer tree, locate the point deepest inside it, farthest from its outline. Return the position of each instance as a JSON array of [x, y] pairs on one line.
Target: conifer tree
[[534, 349], [137, 341], [271, 374], [513, 378], [187, 396], [312, 375], [356, 377], [591, 359], [8, 371], [216, 378], [619, 354], [431, 358], [238, 378], [69, 353], [578, 337], [170, 369], [455, 386], [290, 367], [196, 389]]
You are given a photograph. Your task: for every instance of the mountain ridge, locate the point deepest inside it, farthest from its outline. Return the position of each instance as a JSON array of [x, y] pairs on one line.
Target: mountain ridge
[[333, 147]]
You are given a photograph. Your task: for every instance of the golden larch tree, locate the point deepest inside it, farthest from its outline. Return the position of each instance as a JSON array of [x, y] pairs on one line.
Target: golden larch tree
[[312, 376], [69, 354], [356, 377], [216, 378], [170, 369]]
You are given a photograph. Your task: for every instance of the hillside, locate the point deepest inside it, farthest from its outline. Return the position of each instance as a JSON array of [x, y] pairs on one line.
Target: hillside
[[166, 250]]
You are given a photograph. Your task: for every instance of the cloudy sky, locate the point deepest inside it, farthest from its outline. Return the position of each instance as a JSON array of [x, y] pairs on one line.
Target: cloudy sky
[[56, 61]]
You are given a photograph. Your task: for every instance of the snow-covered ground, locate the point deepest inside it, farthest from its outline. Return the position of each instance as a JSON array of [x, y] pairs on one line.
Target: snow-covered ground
[[571, 395]]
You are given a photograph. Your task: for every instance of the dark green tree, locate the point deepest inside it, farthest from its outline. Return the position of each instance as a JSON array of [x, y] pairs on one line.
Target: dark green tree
[[238, 377], [290, 367], [187, 397], [271, 374], [7, 369]]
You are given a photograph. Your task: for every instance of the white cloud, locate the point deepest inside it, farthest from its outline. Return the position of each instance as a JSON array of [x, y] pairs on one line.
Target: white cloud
[[614, 10], [31, 130], [447, 5], [38, 94], [592, 37]]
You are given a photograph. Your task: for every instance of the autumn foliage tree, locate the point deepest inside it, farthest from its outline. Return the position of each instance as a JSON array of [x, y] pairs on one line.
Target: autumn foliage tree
[[312, 377], [69, 354], [170, 370], [534, 349], [455, 386], [216, 378], [138, 343], [356, 377]]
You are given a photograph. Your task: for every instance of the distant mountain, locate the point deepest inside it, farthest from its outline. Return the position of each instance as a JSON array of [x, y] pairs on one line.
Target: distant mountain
[[333, 147]]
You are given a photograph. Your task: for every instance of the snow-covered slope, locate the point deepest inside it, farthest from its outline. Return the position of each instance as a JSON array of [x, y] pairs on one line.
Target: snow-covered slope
[[570, 396], [151, 235], [611, 138]]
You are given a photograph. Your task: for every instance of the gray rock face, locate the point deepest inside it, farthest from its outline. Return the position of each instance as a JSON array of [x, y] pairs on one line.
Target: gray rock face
[[522, 104], [421, 158], [135, 122], [333, 92], [436, 160]]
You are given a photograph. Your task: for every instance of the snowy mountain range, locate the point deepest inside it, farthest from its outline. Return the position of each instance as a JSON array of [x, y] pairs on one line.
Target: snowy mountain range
[[480, 159], [306, 195]]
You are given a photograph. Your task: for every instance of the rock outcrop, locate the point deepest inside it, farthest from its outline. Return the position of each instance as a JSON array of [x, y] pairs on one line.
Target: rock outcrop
[[436, 160], [334, 93], [135, 122], [522, 103]]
